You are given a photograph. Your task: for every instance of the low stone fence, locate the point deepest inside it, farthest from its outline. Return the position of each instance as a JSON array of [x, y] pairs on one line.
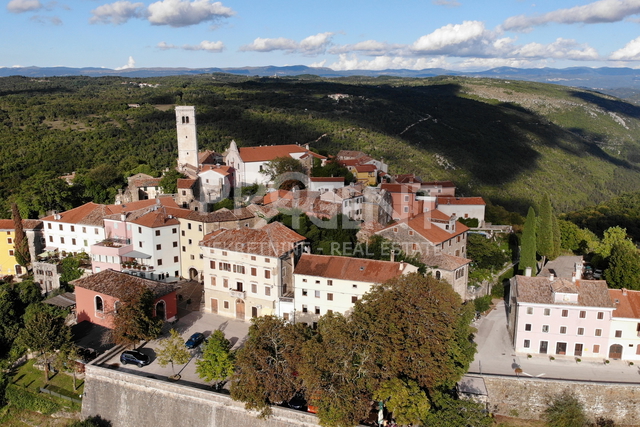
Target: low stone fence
[[525, 397]]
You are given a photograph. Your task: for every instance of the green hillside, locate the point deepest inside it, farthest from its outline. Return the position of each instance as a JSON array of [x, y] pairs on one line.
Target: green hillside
[[509, 141]]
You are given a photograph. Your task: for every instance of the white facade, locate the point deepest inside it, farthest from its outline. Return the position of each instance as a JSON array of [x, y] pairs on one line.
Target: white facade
[[71, 237]]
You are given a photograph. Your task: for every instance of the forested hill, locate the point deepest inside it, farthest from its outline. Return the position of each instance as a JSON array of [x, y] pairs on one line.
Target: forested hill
[[509, 141]]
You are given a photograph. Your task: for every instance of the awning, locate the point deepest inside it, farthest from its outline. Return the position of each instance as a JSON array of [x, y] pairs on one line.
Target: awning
[[136, 254]]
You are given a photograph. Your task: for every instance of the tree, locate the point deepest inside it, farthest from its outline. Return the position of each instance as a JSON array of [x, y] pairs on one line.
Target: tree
[[20, 242], [169, 181], [448, 411], [70, 269], [267, 364], [45, 334], [545, 238], [134, 321], [339, 371], [612, 235], [557, 238], [528, 244], [286, 171], [405, 399], [485, 252], [172, 350], [624, 266], [565, 410], [217, 362]]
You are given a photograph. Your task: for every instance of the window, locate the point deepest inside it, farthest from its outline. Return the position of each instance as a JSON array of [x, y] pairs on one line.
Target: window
[[191, 257], [529, 310], [176, 259], [84, 229], [329, 282], [317, 310], [598, 332], [184, 249], [182, 233], [199, 227], [157, 232], [583, 314], [596, 348], [175, 244], [354, 299], [95, 231], [73, 228], [329, 297], [254, 271], [189, 226], [158, 247], [212, 264], [638, 349], [600, 315], [174, 230], [238, 269], [10, 252], [267, 260], [317, 294], [406, 198], [225, 283], [49, 226], [527, 327], [60, 227], [565, 313], [224, 253], [580, 331], [51, 238], [159, 262], [139, 229], [191, 242], [225, 304], [225, 266], [304, 308], [267, 291], [618, 334], [406, 209], [304, 292], [140, 244], [563, 329], [527, 343], [9, 240], [86, 243], [267, 274], [62, 240], [253, 257], [73, 241], [213, 280], [99, 304], [254, 288], [545, 328]]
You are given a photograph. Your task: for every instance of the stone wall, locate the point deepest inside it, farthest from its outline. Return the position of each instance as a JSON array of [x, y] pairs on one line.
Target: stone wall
[[527, 397], [132, 400]]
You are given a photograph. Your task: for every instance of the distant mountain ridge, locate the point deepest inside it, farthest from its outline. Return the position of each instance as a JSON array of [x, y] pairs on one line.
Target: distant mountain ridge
[[593, 78]]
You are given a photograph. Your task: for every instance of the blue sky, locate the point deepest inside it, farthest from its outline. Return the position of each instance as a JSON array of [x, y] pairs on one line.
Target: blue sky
[[464, 35]]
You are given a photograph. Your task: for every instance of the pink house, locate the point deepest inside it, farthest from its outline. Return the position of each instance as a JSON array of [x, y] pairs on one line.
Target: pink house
[[98, 296], [560, 317], [405, 202]]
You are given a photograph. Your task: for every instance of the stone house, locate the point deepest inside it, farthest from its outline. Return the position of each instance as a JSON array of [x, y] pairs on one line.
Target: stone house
[[98, 296], [248, 272], [325, 283]]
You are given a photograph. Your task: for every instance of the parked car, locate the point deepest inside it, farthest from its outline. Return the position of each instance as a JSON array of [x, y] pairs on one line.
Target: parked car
[[297, 401], [597, 274], [134, 357], [194, 340]]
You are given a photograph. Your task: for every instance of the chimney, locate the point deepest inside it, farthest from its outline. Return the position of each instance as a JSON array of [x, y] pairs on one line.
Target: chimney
[[578, 272], [123, 217], [527, 271], [551, 277], [624, 292], [393, 255]]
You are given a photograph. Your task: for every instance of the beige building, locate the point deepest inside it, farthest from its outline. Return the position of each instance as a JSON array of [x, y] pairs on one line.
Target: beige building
[[326, 283], [249, 273]]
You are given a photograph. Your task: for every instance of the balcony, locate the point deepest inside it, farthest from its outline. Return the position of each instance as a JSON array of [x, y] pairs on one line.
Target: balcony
[[237, 294], [112, 247]]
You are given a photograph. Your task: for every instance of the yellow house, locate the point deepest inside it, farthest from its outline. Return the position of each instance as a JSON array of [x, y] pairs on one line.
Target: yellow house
[[8, 264], [367, 174]]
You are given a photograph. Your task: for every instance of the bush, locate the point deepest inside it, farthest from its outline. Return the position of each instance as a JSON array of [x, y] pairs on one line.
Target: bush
[[565, 410], [482, 304], [497, 290], [23, 399]]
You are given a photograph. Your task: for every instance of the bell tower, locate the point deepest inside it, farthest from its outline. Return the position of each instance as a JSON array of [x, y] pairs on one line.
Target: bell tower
[[187, 137]]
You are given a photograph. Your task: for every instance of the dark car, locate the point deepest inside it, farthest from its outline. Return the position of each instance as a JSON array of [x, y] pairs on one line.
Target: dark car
[[297, 401], [134, 357], [194, 340]]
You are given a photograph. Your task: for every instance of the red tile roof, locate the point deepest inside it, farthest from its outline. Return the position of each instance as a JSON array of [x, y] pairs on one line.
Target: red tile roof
[[445, 261], [186, 183], [272, 240], [27, 224], [401, 188], [448, 200], [347, 268], [422, 224], [366, 168], [270, 152], [627, 303], [539, 290], [118, 284]]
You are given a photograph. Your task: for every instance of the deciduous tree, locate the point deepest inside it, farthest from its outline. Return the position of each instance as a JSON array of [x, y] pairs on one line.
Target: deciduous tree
[[624, 266], [217, 362], [172, 350], [134, 320]]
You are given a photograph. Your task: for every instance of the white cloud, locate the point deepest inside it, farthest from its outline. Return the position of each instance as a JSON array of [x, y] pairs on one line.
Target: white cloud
[[312, 45], [560, 49], [205, 45], [117, 13], [480, 64], [470, 36], [596, 12], [368, 47], [346, 62], [180, 13], [130, 64], [20, 6], [447, 3], [630, 52]]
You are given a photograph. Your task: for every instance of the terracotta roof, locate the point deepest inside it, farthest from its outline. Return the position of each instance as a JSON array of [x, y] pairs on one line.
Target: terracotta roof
[[627, 303], [366, 168], [145, 182], [186, 183], [221, 215], [222, 170], [439, 184], [207, 157], [270, 152], [27, 224], [156, 218], [401, 188], [422, 225], [117, 284], [347, 268], [445, 261], [273, 196], [88, 214], [539, 290], [350, 154], [312, 206], [272, 240], [448, 200], [326, 179], [408, 178]]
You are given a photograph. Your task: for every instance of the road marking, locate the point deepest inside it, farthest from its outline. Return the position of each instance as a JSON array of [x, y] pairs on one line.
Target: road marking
[[539, 375]]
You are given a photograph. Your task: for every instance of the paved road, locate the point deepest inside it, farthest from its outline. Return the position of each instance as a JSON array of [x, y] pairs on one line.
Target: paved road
[[497, 356]]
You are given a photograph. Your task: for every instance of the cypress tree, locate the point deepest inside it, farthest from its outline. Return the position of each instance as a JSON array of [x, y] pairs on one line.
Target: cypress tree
[[528, 244], [544, 233], [557, 238], [20, 243]]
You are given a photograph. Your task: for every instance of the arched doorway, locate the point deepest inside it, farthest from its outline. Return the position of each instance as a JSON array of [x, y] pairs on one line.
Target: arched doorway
[[239, 309], [193, 274], [615, 351], [161, 310]]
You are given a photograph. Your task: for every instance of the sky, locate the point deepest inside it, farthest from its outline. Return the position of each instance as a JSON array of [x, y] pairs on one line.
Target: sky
[[459, 35]]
